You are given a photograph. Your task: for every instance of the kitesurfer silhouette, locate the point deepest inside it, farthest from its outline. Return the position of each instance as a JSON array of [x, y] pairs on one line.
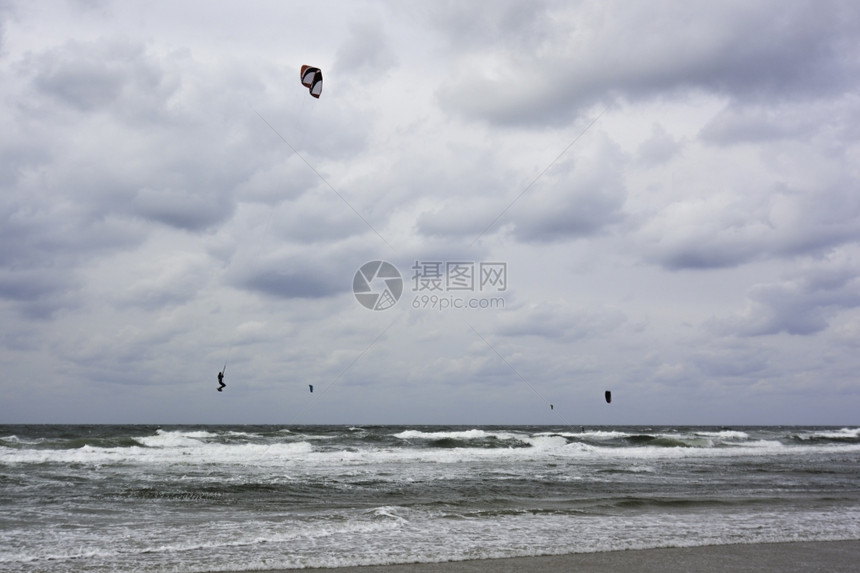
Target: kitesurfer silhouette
[[221, 381]]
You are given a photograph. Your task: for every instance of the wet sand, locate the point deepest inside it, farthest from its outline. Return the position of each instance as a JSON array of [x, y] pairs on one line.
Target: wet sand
[[818, 556]]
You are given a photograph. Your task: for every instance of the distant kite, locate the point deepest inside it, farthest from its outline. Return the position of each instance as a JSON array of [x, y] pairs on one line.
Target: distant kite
[[311, 386], [608, 396], [312, 79]]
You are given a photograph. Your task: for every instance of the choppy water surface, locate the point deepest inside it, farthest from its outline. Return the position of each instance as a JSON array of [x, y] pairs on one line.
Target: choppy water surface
[[147, 498]]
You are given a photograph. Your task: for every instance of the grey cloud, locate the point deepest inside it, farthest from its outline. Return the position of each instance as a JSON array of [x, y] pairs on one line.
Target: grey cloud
[[464, 218], [24, 339], [28, 285], [754, 124], [766, 51], [799, 305], [729, 229], [191, 188], [576, 212], [279, 181], [19, 156], [172, 164], [63, 243], [80, 182], [575, 199], [659, 148], [506, 23], [303, 273], [85, 85], [832, 121], [322, 131], [193, 210], [6, 10], [365, 55], [707, 258], [170, 280], [739, 363], [165, 144], [323, 271], [823, 218], [39, 293], [128, 354], [472, 188], [43, 245], [558, 321], [105, 75], [706, 234], [292, 281], [36, 235], [321, 219]]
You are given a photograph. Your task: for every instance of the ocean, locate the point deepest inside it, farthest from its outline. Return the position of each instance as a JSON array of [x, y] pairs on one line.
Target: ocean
[[209, 498]]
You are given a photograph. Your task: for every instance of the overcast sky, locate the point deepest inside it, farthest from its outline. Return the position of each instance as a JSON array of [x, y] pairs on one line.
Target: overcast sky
[[655, 198]]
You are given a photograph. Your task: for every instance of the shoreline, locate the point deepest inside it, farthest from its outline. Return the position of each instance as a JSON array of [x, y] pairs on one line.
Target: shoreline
[[777, 557]]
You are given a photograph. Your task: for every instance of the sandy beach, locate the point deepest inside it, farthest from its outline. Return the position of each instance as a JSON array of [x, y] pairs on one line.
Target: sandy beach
[[820, 556]]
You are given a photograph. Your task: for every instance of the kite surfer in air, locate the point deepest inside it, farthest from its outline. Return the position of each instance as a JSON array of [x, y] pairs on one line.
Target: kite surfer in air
[[221, 380]]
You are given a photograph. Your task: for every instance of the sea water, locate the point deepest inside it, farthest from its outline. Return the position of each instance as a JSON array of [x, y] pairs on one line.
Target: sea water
[[204, 498]]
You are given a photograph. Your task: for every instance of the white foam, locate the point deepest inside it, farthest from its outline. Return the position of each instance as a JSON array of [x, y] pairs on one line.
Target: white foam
[[198, 447], [303, 454], [844, 433], [173, 439], [725, 435], [605, 435], [170, 449], [547, 442], [474, 434]]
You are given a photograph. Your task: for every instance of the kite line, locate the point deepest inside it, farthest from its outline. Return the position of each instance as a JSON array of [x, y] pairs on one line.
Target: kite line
[[324, 180]]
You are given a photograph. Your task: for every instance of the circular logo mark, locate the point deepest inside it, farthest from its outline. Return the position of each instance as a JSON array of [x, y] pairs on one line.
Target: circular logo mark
[[377, 285]]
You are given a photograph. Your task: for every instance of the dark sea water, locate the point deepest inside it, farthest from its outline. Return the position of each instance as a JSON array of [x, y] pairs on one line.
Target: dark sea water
[[206, 498]]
